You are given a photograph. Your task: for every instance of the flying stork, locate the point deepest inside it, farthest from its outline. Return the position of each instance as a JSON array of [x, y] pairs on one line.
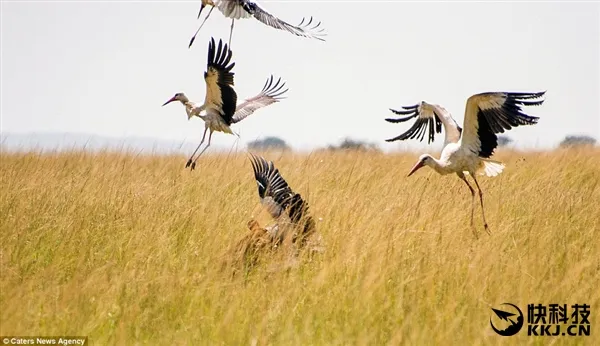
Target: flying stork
[[284, 205], [220, 104], [468, 149], [236, 9]]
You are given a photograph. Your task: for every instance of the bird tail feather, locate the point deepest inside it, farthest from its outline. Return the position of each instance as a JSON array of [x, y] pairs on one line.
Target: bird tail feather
[[491, 168]]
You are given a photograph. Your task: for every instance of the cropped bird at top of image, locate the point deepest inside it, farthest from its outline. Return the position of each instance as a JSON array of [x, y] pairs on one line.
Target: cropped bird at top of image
[[220, 104], [468, 149], [237, 9]]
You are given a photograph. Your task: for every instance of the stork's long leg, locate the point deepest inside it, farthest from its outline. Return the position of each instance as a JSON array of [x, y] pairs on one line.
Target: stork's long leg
[[231, 32], [462, 177], [200, 27], [203, 150], [198, 147], [485, 225]]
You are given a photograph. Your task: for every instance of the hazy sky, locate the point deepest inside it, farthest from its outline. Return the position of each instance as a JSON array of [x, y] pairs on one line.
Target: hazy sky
[[106, 67]]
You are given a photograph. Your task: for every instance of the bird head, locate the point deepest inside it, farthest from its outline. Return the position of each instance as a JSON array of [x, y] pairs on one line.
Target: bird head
[[424, 160], [177, 97]]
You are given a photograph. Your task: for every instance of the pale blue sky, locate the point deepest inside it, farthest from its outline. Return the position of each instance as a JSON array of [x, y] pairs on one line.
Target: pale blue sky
[[106, 67]]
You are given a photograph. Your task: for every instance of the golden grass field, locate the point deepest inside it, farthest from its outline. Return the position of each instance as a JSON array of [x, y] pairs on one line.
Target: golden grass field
[[127, 249]]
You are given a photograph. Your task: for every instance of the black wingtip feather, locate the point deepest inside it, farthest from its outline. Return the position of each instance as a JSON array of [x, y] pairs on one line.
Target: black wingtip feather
[[411, 112], [406, 112], [267, 83], [258, 166], [274, 90]]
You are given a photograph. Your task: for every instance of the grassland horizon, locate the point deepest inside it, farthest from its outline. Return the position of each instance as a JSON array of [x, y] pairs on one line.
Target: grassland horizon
[[127, 249]]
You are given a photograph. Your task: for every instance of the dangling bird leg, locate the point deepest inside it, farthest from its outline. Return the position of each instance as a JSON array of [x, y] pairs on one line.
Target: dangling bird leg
[[485, 225], [199, 145], [462, 177], [203, 150], [204, 21], [231, 32]]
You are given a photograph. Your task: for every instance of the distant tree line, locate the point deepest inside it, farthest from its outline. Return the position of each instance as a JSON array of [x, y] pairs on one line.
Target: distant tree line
[[577, 140], [568, 141], [276, 143], [353, 144], [504, 141], [268, 143]]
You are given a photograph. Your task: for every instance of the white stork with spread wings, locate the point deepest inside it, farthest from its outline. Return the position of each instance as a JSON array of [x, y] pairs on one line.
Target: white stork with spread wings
[[283, 204], [236, 9], [221, 110], [468, 149]]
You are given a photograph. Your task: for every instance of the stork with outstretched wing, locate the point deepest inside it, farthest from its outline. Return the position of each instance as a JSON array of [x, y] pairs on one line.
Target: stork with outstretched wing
[[236, 9], [283, 204], [220, 106], [468, 149]]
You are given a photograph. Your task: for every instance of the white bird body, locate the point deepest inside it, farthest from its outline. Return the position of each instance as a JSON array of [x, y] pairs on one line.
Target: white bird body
[[452, 159], [210, 116], [455, 158], [214, 121], [468, 151]]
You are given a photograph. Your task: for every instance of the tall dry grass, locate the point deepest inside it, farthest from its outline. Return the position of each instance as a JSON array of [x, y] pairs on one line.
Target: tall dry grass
[[127, 249]]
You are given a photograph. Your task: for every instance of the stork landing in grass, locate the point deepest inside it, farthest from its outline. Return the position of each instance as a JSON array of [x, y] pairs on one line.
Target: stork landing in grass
[[220, 105], [236, 9], [468, 150], [284, 205]]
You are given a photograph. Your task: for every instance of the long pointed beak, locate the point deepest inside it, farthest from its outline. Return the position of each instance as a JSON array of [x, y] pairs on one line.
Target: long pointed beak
[[201, 8], [415, 168], [170, 100]]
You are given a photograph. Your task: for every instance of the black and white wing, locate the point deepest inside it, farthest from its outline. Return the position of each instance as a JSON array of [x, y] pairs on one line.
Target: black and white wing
[[487, 114], [306, 28], [275, 193], [429, 118], [220, 94], [271, 93], [273, 190]]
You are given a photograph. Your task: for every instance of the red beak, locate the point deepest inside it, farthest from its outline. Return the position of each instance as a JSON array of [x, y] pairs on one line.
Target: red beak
[[415, 168], [170, 100]]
